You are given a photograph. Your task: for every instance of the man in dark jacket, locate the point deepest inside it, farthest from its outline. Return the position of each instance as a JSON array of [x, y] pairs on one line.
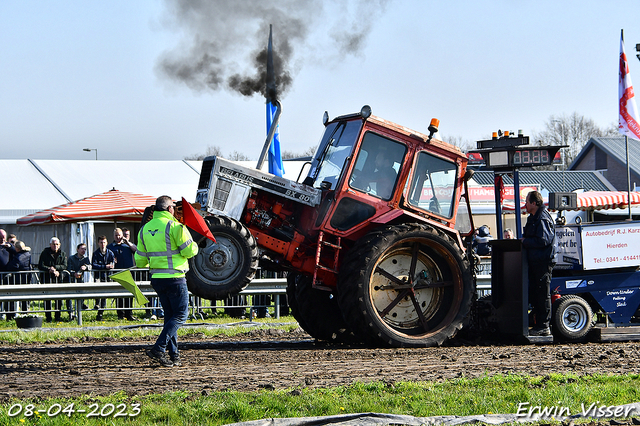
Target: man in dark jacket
[[539, 238], [103, 261], [123, 251], [78, 264], [52, 263], [6, 251], [20, 262]]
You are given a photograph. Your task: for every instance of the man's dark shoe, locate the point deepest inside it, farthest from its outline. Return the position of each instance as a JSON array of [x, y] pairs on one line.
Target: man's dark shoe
[[98, 317], [161, 357], [175, 358], [131, 318], [540, 331]]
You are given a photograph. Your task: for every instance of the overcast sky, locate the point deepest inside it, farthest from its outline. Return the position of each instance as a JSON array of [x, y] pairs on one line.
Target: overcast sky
[[110, 74]]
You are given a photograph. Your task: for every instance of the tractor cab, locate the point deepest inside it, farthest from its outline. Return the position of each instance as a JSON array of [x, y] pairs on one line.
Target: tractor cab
[[372, 171]]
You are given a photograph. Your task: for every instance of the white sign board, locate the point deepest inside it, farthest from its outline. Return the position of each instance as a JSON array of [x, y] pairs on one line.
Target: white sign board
[[613, 245], [569, 255]]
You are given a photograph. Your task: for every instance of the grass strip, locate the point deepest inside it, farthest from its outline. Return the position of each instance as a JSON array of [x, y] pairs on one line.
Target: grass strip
[[108, 329], [485, 395]]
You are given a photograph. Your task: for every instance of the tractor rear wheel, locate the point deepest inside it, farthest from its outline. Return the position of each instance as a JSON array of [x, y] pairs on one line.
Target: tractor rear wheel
[[226, 267], [572, 317], [406, 285], [317, 311]]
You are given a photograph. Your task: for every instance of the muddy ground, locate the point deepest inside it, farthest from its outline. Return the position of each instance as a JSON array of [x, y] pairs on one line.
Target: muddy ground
[[275, 359]]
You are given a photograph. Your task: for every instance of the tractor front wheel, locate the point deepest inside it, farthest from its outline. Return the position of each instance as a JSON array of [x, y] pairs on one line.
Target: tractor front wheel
[[226, 267]]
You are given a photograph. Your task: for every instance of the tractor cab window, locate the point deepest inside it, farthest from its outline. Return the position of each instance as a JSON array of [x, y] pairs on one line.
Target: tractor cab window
[[336, 145], [433, 184], [377, 166]]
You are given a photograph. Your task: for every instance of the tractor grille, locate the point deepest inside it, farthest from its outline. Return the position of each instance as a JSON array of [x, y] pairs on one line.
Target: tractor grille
[[205, 174], [223, 187]]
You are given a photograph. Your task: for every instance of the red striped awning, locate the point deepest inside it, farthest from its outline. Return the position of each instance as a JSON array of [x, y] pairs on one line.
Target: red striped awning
[[113, 205], [603, 200], [594, 200]]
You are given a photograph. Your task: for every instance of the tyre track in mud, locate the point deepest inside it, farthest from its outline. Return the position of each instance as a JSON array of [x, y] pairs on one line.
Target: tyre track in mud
[[270, 359]]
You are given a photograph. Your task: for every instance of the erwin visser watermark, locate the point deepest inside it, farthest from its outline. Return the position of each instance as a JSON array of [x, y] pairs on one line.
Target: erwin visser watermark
[[525, 409]]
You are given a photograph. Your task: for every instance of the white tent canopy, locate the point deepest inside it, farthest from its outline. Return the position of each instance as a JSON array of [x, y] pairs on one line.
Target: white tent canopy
[[35, 185], [24, 190]]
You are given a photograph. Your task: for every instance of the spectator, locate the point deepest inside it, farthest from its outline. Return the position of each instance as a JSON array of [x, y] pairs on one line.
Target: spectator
[[143, 275], [52, 263], [508, 234], [481, 241], [20, 261], [6, 253], [123, 250], [12, 239], [102, 262], [79, 263]]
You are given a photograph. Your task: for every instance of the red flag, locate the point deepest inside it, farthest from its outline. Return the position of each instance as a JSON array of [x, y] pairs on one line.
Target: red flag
[[628, 117], [194, 221]]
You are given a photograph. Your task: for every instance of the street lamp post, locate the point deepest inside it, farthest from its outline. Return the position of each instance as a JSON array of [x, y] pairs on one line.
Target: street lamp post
[[92, 149]]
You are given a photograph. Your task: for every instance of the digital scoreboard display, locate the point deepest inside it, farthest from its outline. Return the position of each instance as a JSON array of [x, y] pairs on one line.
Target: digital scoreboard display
[[503, 158], [532, 157]]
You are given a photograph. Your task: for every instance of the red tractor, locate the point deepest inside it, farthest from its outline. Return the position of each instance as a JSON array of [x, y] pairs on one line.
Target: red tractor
[[368, 237]]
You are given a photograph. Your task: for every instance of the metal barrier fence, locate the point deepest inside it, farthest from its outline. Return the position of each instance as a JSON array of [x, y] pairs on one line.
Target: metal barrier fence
[[23, 288], [19, 289]]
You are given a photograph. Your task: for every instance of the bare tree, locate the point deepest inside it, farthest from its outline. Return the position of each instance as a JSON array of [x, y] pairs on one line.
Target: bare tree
[[211, 150], [238, 156], [574, 130], [464, 144], [287, 155]]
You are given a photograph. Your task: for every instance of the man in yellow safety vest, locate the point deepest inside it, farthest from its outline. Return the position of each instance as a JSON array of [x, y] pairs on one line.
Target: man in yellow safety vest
[[165, 245]]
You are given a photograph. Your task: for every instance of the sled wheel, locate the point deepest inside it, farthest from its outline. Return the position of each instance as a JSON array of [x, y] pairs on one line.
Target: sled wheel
[[317, 311], [406, 285], [572, 317], [223, 268]]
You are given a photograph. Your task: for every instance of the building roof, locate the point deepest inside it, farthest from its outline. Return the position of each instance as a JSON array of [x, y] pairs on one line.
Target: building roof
[[552, 181], [615, 148]]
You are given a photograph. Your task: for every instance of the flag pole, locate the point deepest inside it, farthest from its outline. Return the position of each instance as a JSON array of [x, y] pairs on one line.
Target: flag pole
[[272, 118], [626, 144], [626, 147], [628, 113]]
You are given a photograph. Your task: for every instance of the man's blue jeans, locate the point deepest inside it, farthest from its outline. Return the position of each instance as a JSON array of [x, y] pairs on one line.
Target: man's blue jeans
[[174, 298]]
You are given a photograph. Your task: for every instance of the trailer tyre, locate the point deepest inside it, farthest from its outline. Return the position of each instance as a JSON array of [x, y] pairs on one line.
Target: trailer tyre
[[226, 267], [406, 285], [572, 317]]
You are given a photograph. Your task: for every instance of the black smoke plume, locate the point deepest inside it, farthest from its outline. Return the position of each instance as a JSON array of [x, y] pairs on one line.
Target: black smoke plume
[[223, 43]]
